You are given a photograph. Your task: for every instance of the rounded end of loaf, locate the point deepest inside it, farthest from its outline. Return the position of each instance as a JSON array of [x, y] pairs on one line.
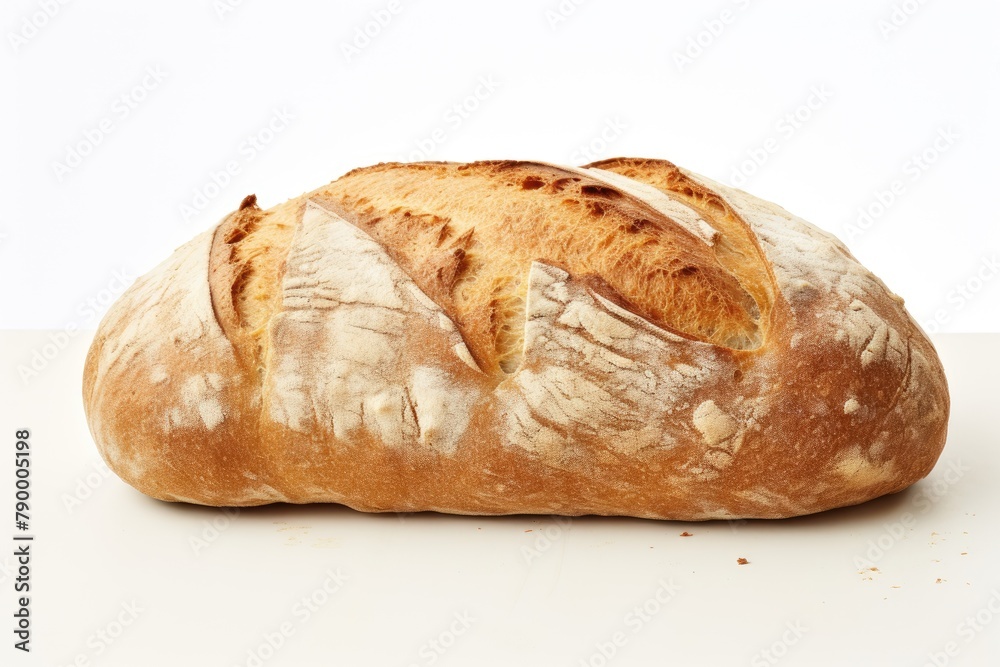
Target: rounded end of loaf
[[918, 414], [163, 392], [886, 422], [844, 401]]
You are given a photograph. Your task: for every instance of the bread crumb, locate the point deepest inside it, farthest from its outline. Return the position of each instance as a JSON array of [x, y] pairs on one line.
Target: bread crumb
[[687, 534], [874, 569], [965, 553], [742, 561], [939, 580], [529, 530]]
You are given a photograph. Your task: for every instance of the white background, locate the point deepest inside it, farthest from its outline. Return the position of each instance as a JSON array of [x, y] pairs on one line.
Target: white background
[[69, 237], [567, 83]]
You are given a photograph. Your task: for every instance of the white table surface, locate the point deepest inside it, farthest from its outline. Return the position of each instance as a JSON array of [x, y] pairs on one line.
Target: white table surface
[[524, 590]]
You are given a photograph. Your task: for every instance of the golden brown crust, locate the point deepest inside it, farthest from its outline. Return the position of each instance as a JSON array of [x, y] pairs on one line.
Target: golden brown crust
[[740, 252], [506, 337], [641, 256], [465, 257]]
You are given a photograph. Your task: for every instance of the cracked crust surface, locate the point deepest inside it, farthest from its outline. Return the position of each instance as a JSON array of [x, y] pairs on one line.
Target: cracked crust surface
[[507, 337]]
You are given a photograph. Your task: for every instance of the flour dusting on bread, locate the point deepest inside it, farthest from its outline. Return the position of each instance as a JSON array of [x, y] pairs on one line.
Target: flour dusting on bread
[[344, 295]]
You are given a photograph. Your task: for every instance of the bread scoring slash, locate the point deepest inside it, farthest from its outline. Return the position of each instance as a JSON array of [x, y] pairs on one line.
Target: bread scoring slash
[[625, 338]]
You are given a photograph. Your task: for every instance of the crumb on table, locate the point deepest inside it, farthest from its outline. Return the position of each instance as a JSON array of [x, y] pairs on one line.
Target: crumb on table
[[742, 561], [687, 534]]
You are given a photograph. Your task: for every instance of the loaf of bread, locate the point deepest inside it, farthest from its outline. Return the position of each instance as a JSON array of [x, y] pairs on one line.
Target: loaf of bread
[[627, 338]]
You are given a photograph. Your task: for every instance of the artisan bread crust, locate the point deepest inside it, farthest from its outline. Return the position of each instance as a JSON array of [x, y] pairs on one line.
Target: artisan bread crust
[[366, 379]]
